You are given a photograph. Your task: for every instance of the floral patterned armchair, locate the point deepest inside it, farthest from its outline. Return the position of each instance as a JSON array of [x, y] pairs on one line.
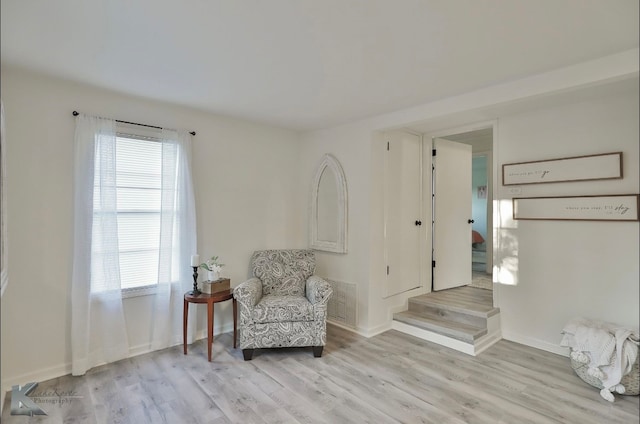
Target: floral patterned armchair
[[284, 304]]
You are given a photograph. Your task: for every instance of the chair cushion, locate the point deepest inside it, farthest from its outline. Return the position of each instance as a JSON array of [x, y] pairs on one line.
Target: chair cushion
[[274, 308], [283, 272]]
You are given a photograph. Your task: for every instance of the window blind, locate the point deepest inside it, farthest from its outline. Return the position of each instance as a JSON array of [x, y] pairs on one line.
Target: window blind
[[138, 190]]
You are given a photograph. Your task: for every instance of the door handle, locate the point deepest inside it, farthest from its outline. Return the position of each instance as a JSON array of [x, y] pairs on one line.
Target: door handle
[[470, 221]]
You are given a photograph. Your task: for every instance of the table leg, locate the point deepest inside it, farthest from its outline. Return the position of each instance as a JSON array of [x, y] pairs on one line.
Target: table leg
[[209, 328], [235, 322], [185, 315]]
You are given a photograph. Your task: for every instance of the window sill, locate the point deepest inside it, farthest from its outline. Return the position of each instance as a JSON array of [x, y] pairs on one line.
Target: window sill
[[139, 291]]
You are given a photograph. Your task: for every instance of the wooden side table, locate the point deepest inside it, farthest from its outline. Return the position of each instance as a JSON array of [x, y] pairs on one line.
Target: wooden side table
[[210, 300]]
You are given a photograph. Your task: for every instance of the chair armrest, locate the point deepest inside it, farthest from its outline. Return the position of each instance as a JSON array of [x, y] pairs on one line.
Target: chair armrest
[[249, 292], [318, 290]]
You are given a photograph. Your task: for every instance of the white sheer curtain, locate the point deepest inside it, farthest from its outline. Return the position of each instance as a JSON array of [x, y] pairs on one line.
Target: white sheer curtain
[[98, 330], [177, 241]]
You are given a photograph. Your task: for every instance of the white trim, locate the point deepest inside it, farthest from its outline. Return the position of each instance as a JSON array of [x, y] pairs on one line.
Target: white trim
[[43, 374], [61, 370], [429, 336], [345, 327], [483, 343], [149, 290], [377, 330], [608, 69], [474, 126], [492, 155], [368, 333], [536, 343], [494, 334], [340, 245], [495, 222]]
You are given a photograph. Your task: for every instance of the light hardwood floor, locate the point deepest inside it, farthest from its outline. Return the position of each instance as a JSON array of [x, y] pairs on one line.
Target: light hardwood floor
[[389, 378]]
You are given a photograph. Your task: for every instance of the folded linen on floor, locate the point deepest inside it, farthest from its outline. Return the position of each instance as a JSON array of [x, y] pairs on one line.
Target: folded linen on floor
[[609, 351]]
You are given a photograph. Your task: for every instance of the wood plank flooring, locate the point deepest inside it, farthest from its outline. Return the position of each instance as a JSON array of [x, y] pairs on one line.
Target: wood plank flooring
[[466, 299], [389, 378], [481, 280]]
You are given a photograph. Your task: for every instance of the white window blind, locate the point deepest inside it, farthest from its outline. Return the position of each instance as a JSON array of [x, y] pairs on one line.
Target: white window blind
[[138, 190]]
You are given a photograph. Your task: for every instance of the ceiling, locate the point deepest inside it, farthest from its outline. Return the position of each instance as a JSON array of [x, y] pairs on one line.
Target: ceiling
[[308, 64]]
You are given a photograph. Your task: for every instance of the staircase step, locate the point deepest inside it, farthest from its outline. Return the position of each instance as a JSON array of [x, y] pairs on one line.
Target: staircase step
[[441, 301], [438, 313], [455, 330]]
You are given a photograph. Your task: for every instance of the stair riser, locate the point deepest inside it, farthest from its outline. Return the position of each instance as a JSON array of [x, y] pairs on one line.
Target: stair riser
[[473, 349], [435, 328], [430, 311]]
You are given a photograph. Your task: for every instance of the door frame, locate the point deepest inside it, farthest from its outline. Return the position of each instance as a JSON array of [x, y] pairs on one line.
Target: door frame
[[491, 189]]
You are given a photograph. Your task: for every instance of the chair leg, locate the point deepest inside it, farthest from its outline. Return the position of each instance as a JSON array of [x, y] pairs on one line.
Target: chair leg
[[248, 354], [317, 351]]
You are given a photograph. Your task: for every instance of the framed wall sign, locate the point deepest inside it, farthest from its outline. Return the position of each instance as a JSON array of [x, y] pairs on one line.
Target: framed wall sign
[[616, 207], [579, 168]]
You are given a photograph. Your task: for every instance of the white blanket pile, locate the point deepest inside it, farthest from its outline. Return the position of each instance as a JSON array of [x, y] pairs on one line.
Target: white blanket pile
[[609, 351]]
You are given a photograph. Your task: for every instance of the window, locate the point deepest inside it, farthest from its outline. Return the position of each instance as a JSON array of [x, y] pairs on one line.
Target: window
[[134, 232], [138, 180]]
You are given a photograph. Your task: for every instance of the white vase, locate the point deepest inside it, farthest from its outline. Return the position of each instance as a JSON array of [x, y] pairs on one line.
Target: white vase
[[213, 275]]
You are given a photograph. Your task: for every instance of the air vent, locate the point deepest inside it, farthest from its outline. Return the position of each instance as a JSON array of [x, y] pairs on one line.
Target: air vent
[[341, 308]]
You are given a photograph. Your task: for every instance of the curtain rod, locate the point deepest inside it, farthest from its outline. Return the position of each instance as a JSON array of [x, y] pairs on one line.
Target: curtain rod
[[75, 113]]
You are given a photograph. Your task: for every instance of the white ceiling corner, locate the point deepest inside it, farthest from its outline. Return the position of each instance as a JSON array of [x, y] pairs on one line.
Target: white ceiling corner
[[306, 64]]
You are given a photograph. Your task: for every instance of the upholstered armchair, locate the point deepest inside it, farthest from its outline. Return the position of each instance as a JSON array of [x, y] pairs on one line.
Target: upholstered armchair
[[284, 304]]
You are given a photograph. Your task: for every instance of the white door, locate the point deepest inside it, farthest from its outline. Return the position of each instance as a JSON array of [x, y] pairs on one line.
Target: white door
[[452, 214], [403, 197]]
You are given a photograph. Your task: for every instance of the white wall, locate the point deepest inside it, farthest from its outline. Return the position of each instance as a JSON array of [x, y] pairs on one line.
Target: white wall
[[246, 189], [578, 109], [252, 191], [350, 146], [566, 269]]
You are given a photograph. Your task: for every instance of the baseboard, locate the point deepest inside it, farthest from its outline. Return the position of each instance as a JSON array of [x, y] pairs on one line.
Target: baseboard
[[363, 331], [377, 330], [344, 327], [37, 376], [65, 369], [486, 342], [536, 343]]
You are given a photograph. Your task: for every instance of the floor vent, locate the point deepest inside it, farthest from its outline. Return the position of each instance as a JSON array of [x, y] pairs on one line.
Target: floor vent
[[342, 304]]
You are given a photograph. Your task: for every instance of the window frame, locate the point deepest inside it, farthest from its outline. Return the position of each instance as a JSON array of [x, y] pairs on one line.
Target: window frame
[[133, 132]]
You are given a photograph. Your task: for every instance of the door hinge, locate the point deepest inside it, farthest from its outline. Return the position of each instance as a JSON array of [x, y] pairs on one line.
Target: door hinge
[[387, 269], [387, 146], [433, 264], [433, 152]]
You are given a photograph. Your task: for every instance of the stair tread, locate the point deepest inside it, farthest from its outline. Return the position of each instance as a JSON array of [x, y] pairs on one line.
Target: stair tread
[[467, 307], [440, 314], [457, 330]]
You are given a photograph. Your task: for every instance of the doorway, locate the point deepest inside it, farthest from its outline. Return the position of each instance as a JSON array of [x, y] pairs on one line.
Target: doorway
[[480, 273], [481, 183]]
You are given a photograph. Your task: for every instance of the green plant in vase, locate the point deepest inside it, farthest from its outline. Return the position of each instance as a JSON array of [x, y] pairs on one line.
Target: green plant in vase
[[213, 267]]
